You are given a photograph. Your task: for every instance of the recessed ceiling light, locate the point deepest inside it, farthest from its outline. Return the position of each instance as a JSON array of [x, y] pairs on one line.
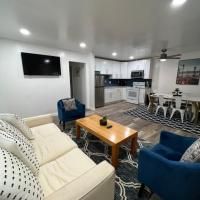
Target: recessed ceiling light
[[104, 62], [83, 45], [176, 3], [24, 31], [114, 54], [47, 61], [131, 57]]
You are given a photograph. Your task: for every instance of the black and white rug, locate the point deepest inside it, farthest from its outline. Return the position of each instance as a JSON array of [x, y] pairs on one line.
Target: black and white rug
[[175, 122], [126, 183]]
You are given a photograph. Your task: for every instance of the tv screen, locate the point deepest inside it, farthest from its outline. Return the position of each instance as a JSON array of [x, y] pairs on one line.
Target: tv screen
[[42, 65]]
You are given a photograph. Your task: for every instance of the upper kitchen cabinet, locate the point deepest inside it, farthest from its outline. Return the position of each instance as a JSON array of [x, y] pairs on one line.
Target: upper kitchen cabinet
[[124, 70], [116, 73], [104, 66], [140, 65]]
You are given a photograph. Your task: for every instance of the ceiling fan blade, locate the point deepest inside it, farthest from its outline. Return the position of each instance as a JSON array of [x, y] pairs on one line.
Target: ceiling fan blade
[[173, 58], [176, 55]]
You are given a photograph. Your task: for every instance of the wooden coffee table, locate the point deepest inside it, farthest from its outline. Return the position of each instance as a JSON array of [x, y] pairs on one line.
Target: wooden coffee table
[[113, 136]]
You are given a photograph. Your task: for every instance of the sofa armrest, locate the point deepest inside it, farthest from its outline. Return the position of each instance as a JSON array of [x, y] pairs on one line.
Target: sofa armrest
[[98, 183], [176, 142], [40, 120]]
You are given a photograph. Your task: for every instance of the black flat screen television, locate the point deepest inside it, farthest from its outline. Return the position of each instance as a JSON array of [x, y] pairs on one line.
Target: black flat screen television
[[40, 65]]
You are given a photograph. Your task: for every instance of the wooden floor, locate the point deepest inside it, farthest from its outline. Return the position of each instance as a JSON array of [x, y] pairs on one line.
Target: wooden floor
[[147, 130]]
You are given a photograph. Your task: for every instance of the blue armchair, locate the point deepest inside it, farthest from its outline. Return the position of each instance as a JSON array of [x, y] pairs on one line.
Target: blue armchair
[[66, 116], [160, 169]]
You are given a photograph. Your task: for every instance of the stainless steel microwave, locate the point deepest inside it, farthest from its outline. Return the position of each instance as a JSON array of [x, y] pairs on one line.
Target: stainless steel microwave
[[137, 74]]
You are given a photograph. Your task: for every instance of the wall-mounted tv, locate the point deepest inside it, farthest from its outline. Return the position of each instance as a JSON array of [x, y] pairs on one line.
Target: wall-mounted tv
[[40, 65]]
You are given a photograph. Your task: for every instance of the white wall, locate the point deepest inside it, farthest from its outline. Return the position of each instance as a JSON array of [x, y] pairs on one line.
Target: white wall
[[29, 96], [79, 81], [164, 76]]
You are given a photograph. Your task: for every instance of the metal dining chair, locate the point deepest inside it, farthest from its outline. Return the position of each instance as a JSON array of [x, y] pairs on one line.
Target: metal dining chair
[[178, 107], [163, 105]]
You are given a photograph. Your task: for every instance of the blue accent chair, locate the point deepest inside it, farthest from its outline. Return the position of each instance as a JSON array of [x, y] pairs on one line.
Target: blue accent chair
[[160, 169], [66, 116]]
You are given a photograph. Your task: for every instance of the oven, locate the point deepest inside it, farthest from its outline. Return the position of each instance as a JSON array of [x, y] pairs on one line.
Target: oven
[[136, 94]]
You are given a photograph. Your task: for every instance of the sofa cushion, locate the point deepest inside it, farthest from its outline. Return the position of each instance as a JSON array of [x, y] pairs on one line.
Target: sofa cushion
[[20, 149], [69, 104], [19, 123], [192, 154], [166, 152], [16, 179], [50, 143], [7, 127], [63, 170]]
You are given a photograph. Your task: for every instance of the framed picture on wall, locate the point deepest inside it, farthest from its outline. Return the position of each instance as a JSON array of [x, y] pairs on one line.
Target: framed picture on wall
[[188, 72]]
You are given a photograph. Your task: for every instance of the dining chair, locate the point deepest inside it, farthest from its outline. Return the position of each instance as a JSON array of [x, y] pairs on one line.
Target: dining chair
[[152, 102], [162, 104], [178, 107]]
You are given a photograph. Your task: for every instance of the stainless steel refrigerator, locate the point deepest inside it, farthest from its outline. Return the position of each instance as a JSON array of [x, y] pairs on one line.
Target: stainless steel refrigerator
[[99, 91]]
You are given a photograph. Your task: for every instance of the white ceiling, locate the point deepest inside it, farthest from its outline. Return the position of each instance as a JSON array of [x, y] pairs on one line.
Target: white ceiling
[[130, 27]]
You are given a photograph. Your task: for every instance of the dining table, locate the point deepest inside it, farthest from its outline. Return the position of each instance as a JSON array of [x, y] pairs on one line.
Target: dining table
[[194, 101]]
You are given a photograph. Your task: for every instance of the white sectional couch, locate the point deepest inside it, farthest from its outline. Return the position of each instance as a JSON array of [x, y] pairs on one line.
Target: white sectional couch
[[66, 173]]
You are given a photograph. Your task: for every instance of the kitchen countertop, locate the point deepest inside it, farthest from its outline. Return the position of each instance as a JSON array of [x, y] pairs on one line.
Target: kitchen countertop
[[112, 86]]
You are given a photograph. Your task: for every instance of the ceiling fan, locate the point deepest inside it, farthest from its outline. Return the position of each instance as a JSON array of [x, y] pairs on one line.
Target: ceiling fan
[[164, 57]]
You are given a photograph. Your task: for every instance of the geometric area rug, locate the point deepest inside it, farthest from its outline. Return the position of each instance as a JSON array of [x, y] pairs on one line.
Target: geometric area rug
[[175, 122], [126, 183]]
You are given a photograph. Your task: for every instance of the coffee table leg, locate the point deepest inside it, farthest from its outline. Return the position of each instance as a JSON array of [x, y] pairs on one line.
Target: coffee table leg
[[115, 154], [78, 131], [134, 145]]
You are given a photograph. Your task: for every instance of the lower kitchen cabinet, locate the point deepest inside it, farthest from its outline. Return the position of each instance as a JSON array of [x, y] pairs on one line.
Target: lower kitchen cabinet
[[115, 94]]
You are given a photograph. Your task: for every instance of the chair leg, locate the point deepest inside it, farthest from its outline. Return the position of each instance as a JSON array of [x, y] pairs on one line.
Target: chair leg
[[141, 190], [63, 126], [165, 112], [182, 116], [173, 111], [157, 110]]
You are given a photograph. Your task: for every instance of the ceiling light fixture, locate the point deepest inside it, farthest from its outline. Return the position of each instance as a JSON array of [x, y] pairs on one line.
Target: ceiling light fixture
[[163, 60], [83, 45], [24, 31], [131, 57], [47, 61], [176, 3], [114, 54]]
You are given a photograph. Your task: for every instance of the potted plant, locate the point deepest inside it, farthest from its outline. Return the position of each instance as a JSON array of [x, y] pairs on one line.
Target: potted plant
[[103, 121]]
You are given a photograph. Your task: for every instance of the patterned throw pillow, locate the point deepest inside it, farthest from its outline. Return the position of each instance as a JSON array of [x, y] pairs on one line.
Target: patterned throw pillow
[[20, 147], [16, 179], [19, 123], [69, 104], [192, 154], [5, 126]]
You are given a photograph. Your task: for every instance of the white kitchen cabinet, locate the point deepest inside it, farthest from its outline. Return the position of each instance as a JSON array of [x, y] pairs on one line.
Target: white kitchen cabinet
[[140, 65], [116, 69], [113, 94], [104, 66], [124, 70], [124, 93]]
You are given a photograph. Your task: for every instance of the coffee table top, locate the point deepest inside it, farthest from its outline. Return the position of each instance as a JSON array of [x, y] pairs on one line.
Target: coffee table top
[[115, 135]]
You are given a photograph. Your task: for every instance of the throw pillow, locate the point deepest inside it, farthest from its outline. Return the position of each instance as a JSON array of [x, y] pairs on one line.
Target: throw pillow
[[16, 179], [19, 123], [192, 154], [21, 149], [5, 126], [69, 104]]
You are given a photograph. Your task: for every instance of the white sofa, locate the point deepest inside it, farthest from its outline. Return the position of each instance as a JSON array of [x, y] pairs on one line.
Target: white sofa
[[66, 173]]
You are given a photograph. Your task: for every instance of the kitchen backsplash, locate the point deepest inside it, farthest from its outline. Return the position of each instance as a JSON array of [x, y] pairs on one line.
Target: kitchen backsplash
[[126, 82]]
